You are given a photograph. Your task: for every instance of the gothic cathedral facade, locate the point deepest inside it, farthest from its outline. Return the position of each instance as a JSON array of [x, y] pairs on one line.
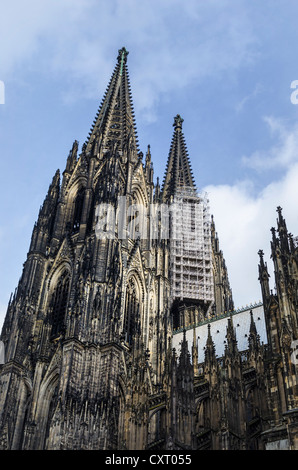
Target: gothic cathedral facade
[[111, 272]]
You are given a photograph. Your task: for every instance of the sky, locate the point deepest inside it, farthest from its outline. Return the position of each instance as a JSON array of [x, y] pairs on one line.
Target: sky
[[226, 66]]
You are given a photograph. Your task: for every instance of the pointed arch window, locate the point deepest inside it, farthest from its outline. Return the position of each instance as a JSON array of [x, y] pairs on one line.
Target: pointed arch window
[[78, 209], [250, 406], [58, 304], [132, 306]]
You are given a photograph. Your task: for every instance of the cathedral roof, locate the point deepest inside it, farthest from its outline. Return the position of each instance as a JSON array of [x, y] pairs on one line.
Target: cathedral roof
[[218, 330]]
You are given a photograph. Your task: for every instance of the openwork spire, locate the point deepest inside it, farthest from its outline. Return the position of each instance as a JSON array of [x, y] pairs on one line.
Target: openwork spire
[[114, 124], [178, 171]]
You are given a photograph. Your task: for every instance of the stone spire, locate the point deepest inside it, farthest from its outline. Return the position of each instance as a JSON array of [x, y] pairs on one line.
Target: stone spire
[[178, 171], [231, 348], [264, 277], [254, 338], [195, 353], [282, 231], [114, 124], [210, 355]]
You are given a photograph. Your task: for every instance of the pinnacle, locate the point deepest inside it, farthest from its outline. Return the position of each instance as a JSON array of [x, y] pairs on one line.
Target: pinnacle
[[122, 55], [253, 329], [178, 122]]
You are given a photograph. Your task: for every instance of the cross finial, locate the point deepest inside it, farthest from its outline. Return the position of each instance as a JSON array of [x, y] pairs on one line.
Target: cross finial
[[178, 122], [122, 55]]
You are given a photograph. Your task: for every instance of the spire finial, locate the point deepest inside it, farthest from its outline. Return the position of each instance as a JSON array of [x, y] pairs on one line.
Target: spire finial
[[122, 58], [122, 55], [178, 122], [273, 231]]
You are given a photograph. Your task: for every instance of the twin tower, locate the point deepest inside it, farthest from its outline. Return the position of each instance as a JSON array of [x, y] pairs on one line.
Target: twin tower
[[89, 362]]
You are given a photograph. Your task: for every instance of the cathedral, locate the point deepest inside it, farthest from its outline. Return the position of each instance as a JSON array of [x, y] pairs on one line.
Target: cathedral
[[122, 332]]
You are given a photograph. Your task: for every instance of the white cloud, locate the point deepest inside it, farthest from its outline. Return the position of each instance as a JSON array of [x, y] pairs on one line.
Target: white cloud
[[24, 26], [282, 154], [172, 45], [243, 219], [256, 91]]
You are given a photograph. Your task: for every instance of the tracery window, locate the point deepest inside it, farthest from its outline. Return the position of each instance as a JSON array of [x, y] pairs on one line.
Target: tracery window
[[249, 407], [78, 210], [58, 304], [132, 306]]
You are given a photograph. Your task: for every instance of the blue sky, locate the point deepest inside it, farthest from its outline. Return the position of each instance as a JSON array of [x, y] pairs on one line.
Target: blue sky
[[225, 66]]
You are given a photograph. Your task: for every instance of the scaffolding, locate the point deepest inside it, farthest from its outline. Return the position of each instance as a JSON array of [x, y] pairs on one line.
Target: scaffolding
[[190, 247]]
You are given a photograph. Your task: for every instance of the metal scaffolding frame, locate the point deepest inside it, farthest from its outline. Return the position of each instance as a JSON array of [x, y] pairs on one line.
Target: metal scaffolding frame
[[190, 249]]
